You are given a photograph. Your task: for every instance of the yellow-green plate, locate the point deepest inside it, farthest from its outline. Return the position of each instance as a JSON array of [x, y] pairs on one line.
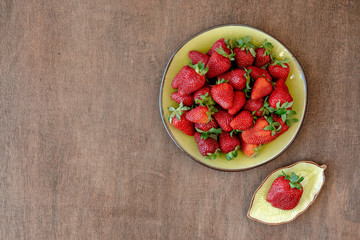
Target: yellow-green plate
[[202, 42]]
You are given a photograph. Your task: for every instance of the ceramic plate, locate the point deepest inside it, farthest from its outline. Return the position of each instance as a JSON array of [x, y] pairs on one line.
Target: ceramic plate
[[202, 42]]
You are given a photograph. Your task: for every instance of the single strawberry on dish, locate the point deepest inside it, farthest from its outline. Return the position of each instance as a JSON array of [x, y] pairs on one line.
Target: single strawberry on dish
[[286, 191]]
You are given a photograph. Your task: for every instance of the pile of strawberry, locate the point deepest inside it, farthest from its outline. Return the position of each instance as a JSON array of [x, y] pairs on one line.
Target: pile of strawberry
[[234, 97]]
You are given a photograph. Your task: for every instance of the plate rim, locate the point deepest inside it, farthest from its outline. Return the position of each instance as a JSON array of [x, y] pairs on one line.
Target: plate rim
[[161, 99]]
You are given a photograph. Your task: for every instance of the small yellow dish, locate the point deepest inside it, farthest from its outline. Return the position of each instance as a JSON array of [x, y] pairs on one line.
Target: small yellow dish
[[202, 42]]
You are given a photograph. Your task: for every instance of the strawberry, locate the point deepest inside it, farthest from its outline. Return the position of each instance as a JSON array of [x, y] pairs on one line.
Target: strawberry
[[280, 103], [254, 106], [244, 52], [280, 95], [184, 73], [223, 94], [250, 150], [285, 192], [279, 69], [239, 102], [187, 100], [200, 114], [282, 129], [224, 44], [194, 81], [262, 87], [178, 120], [257, 134], [203, 96], [259, 72], [196, 57], [229, 145], [206, 126], [263, 54], [281, 84], [206, 129], [237, 78], [242, 121], [223, 118], [207, 147], [219, 63]]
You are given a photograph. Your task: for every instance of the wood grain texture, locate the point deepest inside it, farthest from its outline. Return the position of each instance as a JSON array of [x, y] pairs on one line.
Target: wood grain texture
[[84, 155]]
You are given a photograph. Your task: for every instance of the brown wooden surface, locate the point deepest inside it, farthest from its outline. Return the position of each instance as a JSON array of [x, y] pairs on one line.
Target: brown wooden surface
[[83, 152]]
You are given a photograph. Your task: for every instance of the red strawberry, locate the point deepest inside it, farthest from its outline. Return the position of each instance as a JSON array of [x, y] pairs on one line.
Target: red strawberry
[[279, 69], [257, 134], [263, 54], [259, 72], [223, 118], [281, 84], [283, 128], [219, 63], [229, 145], [223, 94], [244, 52], [200, 114], [207, 147], [184, 73], [280, 95], [285, 192], [248, 149], [196, 57], [220, 43], [254, 106], [262, 87], [178, 120], [203, 96], [242, 121], [239, 102], [280, 103], [206, 126], [195, 81], [187, 100], [237, 78]]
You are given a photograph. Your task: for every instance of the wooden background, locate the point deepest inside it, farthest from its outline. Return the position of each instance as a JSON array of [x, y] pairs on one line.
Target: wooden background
[[83, 152]]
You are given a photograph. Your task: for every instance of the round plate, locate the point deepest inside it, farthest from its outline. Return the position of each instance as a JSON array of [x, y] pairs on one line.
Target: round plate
[[202, 42]]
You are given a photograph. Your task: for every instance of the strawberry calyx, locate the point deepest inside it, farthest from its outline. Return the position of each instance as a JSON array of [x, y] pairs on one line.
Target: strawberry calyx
[[233, 154], [221, 51], [281, 110], [274, 127], [280, 62], [199, 68], [228, 44], [245, 44], [219, 81], [214, 154], [247, 89], [268, 47], [206, 134], [257, 150], [206, 100], [177, 112], [294, 180]]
